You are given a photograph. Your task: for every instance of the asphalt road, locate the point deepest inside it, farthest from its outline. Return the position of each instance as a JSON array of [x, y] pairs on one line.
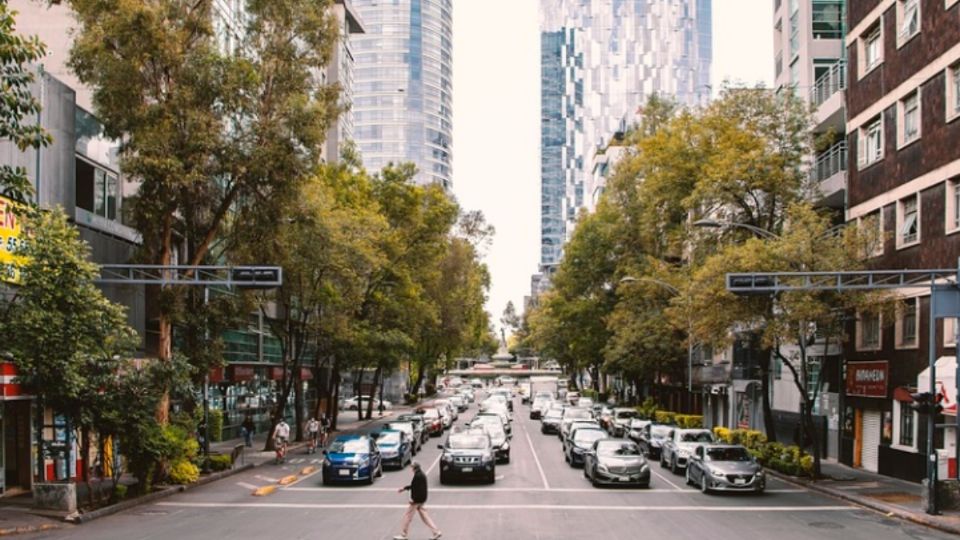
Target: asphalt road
[[536, 496]]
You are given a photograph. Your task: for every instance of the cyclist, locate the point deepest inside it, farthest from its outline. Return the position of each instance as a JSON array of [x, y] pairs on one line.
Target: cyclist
[[313, 434], [324, 429], [280, 435]]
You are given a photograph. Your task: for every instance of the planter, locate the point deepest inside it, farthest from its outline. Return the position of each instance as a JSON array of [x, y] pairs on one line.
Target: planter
[[60, 496]]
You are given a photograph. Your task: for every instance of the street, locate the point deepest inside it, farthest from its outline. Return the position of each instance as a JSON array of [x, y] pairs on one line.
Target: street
[[537, 495]]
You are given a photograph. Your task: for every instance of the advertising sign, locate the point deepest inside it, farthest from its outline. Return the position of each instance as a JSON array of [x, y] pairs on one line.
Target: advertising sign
[[867, 379], [10, 237]]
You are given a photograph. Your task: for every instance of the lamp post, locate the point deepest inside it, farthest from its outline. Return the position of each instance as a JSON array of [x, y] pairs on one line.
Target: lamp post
[[676, 292]]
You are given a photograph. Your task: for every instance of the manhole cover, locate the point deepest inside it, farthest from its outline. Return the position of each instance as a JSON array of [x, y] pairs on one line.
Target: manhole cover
[[825, 525]]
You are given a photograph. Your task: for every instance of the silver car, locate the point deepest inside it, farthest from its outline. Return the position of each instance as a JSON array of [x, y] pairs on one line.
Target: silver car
[[680, 445], [725, 467]]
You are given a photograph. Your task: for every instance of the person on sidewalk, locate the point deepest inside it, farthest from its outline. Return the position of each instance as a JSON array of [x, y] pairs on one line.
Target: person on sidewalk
[[248, 427], [418, 497]]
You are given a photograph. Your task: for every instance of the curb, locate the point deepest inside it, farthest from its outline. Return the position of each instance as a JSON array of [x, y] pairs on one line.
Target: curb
[[125, 505], [213, 477], [883, 508], [29, 529]]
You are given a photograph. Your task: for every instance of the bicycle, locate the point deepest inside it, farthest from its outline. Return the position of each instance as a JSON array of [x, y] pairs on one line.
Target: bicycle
[[280, 447], [312, 442]]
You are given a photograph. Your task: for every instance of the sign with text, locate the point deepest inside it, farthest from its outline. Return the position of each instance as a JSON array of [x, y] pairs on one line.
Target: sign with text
[[11, 235], [867, 379]]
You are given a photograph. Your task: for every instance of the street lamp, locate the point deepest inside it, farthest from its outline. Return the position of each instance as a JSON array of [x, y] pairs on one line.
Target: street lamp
[[676, 292]]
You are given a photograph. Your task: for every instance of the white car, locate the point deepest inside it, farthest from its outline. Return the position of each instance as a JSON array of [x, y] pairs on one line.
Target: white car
[[351, 404]]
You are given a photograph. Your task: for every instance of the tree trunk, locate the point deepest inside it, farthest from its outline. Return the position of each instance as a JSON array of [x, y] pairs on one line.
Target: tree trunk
[[421, 371], [298, 403], [165, 344], [814, 436], [768, 425], [373, 391], [357, 391]]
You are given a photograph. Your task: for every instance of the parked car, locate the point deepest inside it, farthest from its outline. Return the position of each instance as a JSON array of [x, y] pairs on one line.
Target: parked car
[[680, 445], [615, 461], [570, 414], [468, 454], [652, 438], [352, 458], [635, 429], [446, 404], [621, 417], [580, 442], [502, 415], [433, 419], [586, 403], [725, 468], [396, 448], [421, 425], [498, 439], [412, 432], [551, 421], [353, 403], [459, 402]]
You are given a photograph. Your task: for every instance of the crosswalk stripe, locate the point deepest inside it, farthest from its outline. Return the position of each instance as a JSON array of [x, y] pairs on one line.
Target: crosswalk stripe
[[565, 507]]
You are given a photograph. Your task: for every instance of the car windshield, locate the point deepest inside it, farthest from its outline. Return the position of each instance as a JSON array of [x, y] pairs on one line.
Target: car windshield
[[659, 432], [431, 413], [494, 430], [588, 435], [554, 413], [626, 414], [404, 427], [696, 436], [351, 446], [728, 454], [466, 442], [389, 437], [617, 448], [408, 418], [577, 413]]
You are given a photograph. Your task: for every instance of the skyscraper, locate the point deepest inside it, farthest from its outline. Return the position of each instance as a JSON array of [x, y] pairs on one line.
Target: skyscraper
[[600, 61], [403, 80]]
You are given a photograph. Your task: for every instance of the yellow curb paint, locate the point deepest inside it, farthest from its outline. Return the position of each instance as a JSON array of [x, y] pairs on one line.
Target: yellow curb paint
[[264, 491], [288, 480], [308, 470]]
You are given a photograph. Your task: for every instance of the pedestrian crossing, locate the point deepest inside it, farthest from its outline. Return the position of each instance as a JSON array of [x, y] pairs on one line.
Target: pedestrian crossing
[[298, 461]]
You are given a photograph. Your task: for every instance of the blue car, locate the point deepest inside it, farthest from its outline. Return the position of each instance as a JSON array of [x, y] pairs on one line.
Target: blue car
[[395, 448], [352, 458]]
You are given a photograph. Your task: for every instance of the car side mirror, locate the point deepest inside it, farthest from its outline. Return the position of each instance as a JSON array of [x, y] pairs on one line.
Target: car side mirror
[[324, 451], [440, 446]]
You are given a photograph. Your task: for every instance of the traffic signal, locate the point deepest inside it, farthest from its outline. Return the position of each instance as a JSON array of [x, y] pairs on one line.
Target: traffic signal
[[927, 403]]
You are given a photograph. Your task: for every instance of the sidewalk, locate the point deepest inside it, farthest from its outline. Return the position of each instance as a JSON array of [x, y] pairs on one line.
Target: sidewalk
[[890, 496]]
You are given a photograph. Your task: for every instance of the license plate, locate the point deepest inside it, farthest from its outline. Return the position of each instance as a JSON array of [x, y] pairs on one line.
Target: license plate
[[468, 469], [739, 481], [343, 472]]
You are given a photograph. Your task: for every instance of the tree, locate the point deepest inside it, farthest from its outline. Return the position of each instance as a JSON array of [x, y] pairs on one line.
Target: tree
[[216, 137], [17, 103], [510, 319]]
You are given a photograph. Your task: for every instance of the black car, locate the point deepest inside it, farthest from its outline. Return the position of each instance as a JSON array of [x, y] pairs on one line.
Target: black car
[[580, 442], [468, 455], [652, 438], [551, 421], [616, 461]]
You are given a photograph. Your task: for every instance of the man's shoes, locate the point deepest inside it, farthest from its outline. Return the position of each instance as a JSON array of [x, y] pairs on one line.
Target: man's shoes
[[436, 536]]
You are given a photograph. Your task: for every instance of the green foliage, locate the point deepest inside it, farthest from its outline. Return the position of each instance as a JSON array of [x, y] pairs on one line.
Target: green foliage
[[665, 417], [786, 459], [689, 421], [18, 106], [119, 493], [183, 472], [219, 462], [647, 410], [216, 425]]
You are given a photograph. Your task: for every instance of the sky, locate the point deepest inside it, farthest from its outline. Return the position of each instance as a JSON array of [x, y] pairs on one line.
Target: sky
[[496, 118]]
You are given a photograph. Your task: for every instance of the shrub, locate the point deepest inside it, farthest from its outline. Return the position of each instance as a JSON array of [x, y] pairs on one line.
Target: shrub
[[689, 421], [806, 465], [723, 434], [589, 393], [119, 493], [665, 417], [219, 462], [648, 409], [216, 425], [183, 472]]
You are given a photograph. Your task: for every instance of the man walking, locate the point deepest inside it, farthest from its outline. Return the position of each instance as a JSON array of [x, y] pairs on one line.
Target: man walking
[[418, 496]]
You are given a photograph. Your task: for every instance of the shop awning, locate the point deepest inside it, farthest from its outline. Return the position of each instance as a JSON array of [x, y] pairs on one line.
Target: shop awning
[[946, 383], [902, 394]]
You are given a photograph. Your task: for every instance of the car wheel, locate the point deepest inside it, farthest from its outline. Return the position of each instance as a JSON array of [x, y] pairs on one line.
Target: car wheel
[[507, 460], [585, 475], [663, 462], [673, 466], [443, 478], [688, 478], [703, 484]]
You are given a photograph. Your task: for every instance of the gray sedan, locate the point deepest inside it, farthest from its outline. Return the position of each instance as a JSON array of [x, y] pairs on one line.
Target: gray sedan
[[616, 462], [725, 468]]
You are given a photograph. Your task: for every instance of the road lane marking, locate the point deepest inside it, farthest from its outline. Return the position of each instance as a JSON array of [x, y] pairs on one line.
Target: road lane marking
[[664, 478], [266, 478], [546, 485], [434, 464], [247, 486], [549, 507], [500, 490]]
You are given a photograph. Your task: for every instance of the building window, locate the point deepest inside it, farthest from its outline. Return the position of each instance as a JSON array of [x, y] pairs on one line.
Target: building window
[[908, 17], [906, 425], [98, 190], [874, 244], [908, 221], [827, 19], [906, 328], [871, 49], [871, 142], [868, 331], [909, 123], [950, 333], [953, 91], [952, 221]]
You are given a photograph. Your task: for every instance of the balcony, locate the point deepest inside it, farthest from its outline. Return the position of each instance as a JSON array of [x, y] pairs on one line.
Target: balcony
[[829, 83], [830, 172]]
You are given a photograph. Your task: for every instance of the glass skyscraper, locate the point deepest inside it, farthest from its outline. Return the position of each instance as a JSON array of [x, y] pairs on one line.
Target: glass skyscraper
[[600, 61], [403, 83]]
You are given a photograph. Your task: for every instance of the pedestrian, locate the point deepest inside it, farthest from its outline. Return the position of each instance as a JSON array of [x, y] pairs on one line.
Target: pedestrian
[[418, 497], [248, 427]]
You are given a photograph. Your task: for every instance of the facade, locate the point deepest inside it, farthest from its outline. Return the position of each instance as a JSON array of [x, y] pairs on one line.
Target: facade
[[600, 61], [403, 86], [902, 102], [340, 71], [810, 60]]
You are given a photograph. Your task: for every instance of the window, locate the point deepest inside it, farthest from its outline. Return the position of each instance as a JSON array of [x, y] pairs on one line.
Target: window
[[97, 189], [952, 221], [909, 124], [795, 76], [906, 328], [908, 17], [953, 91], [874, 246], [871, 49], [868, 331], [906, 426], [871, 142], [908, 220], [950, 333], [827, 19], [794, 34]]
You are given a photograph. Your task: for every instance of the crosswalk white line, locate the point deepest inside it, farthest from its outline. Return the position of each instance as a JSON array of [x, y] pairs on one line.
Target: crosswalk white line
[[525, 507], [267, 478], [247, 486]]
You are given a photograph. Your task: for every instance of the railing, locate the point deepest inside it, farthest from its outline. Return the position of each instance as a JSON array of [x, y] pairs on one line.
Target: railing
[[830, 162], [831, 82]]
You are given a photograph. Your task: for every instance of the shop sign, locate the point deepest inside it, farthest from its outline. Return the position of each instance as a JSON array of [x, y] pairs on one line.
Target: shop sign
[[11, 237], [276, 374], [867, 379], [216, 375], [240, 373]]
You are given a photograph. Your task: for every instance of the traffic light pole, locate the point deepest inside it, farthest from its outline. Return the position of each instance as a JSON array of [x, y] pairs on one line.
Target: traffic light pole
[[932, 461]]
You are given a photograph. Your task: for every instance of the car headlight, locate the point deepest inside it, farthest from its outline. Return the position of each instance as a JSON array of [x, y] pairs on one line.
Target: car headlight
[[326, 463], [486, 457], [603, 468], [760, 474], [505, 446], [717, 474], [446, 458], [644, 468], [683, 452]]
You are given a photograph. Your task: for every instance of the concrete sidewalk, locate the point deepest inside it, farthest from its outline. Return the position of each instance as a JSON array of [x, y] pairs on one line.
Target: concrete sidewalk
[[890, 496]]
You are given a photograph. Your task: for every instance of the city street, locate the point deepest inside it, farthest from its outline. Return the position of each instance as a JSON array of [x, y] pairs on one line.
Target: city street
[[536, 495]]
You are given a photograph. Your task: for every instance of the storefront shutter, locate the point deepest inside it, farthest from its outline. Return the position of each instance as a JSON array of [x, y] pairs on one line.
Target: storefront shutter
[[871, 440]]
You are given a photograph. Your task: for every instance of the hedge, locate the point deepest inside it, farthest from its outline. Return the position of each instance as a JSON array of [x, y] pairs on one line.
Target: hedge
[[786, 459], [686, 421]]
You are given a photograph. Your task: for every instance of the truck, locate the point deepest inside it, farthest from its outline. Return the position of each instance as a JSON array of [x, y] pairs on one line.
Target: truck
[[543, 384]]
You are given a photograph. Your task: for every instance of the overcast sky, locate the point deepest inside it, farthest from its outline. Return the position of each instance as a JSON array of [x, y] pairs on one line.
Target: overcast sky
[[496, 118]]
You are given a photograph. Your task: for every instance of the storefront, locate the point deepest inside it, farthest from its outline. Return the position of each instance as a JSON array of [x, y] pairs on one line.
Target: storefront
[[16, 452], [867, 421], [944, 440]]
